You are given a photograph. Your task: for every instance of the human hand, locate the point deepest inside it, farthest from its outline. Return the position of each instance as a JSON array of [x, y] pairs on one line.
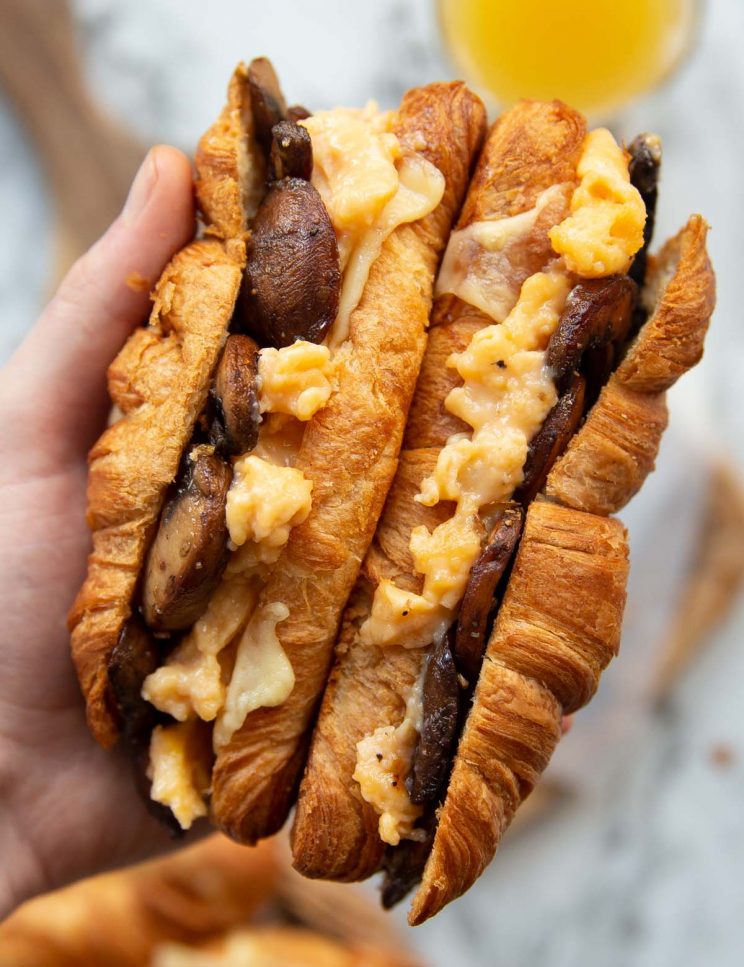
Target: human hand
[[67, 808]]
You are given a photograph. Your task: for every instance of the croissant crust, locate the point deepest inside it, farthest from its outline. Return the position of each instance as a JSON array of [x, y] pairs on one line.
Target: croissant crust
[[536, 646], [119, 918], [159, 381], [557, 629], [615, 450], [230, 168]]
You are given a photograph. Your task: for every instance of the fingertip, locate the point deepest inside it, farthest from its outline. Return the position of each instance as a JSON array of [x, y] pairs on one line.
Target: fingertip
[[107, 293], [169, 213], [175, 175], [171, 160]]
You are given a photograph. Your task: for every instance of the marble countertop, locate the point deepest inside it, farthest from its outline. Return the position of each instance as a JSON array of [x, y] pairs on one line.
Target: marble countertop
[[643, 866]]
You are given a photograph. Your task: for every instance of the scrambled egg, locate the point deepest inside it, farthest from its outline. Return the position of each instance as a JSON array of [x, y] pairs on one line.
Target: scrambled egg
[[295, 380], [605, 228], [265, 501]]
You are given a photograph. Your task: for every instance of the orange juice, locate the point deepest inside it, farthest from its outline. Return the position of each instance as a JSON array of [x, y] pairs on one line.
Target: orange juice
[[595, 54]]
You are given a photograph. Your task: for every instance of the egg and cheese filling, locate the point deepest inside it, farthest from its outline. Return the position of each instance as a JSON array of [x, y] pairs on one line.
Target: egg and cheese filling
[[605, 228], [179, 770], [232, 662], [369, 186], [383, 762], [507, 392], [477, 265]]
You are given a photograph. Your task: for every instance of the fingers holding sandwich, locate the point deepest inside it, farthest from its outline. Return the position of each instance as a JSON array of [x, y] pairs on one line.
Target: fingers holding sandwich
[[74, 343]]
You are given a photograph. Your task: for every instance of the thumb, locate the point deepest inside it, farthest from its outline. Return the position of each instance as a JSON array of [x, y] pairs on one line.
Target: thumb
[[102, 298]]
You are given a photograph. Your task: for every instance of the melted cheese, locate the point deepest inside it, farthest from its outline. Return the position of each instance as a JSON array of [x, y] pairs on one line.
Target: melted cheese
[[295, 379], [190, 682], [369, 188], [179, 770], [382, 765], [420, 190], [479, 262], [605, 227], [354, 155], [279, 439], [265, 501], [262, 676]]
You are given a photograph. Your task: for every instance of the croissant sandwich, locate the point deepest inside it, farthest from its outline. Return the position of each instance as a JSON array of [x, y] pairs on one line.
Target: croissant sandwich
[[257, 423], [492, 594]]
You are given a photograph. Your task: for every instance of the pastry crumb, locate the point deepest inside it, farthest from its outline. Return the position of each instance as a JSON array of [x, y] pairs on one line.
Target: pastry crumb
[[137, 282], [722, 755]]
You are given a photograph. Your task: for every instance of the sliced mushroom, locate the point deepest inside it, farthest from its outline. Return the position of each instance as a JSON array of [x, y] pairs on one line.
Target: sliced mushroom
[[134, 657], [441, 700], [189, 552], [645, 162], [291, 152], [551, 439], [477, 602], [296, 112], [597, 311], [404, 864], [596, 366], [267, 100], [292, 280], [236, 417]]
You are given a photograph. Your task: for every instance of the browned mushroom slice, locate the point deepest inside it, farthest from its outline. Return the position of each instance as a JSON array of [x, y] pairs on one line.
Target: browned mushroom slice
[[479, 594], [596, 368], [267, 100], [645, 162], [404, 864], [440, 700], [134, 657], [291, 152], [189, 552], [551, 440], [292, 280], [236, 418], [296, 112], [597, 311]]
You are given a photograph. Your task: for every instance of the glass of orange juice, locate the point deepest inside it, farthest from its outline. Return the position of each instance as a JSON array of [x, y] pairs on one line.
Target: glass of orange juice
[[596, 55]]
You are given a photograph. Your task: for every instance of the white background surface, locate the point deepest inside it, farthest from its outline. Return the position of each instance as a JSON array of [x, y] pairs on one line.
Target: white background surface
[[646, 867]]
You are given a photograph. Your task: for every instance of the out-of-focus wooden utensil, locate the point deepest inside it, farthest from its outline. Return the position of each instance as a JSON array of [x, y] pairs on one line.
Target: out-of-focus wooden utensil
[[88, 158], [714, 581]]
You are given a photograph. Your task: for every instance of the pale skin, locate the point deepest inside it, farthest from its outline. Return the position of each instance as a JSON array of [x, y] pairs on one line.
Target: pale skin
[[67, 807]]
